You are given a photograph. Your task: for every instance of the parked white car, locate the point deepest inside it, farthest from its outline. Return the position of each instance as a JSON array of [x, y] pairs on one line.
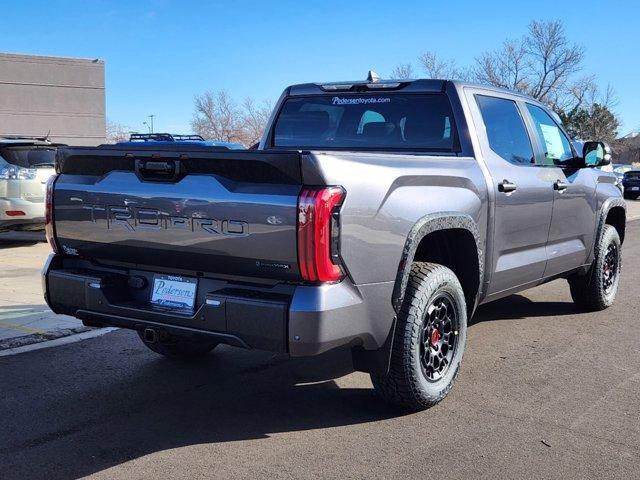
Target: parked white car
[[25, 166]]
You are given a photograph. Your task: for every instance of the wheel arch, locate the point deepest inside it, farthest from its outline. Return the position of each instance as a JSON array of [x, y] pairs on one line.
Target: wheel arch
[[450, 239]]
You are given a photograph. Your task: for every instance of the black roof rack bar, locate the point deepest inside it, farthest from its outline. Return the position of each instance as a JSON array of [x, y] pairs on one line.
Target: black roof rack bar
[[163, 137], [188, 137]]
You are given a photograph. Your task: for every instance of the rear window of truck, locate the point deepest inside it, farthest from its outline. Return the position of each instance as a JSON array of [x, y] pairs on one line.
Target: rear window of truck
[[384, 121]]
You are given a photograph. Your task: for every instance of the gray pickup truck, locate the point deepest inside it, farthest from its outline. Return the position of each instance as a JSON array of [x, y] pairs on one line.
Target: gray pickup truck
[[374, 215]]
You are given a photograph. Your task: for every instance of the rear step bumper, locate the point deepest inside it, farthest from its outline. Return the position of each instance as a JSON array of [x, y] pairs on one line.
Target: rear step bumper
[[299, 320], [100, 319]]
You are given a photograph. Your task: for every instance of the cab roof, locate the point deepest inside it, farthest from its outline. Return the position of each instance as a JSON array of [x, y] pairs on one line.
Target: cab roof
[[425, 85]]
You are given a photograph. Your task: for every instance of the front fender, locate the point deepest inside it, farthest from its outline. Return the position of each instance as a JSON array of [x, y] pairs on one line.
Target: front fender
[[607, 205]]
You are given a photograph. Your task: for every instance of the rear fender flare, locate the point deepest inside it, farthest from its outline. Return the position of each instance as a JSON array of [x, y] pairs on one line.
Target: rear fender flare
[[423, 227], [377, 361]]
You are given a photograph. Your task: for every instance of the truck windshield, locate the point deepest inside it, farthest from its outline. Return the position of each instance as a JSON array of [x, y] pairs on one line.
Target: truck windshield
[[379, 121], [29, 157]]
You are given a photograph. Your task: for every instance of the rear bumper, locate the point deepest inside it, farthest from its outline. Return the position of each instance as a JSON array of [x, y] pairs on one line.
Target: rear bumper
[[33, 217], [32, 210], [631, 187], [21, 223], [299, 320]]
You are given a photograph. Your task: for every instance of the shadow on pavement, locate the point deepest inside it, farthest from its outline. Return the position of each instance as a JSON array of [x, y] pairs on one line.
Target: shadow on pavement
[[21, 239], [72, 412], [118, 412], [516, 307]]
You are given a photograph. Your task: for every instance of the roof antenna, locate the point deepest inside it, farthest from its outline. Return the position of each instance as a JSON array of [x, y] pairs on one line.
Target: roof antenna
[[46, 137], [373, 77]]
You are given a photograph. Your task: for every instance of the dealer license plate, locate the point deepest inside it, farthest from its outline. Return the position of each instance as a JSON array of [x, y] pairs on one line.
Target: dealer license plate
[[174, 292]]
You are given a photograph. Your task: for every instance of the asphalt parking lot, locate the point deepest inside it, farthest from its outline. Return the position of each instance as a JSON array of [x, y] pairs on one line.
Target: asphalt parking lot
[[544, 392]]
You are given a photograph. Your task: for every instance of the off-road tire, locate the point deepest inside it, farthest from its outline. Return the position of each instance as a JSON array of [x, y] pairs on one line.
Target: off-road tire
[[406, 383], [178, 348], [589, 291]]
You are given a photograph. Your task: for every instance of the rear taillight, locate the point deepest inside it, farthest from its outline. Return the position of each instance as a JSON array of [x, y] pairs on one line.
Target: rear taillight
[[48, 214], [319, 233]]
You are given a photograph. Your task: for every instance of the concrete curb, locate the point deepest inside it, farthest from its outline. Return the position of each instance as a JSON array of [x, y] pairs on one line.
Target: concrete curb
[[97, 332], [45, 336]]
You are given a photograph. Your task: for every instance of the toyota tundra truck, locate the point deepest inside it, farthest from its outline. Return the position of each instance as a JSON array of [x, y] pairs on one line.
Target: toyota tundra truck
[[374, 215]]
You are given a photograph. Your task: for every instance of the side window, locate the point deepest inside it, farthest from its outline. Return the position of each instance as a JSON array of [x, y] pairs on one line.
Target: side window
[[557, 148], [505, 130], [447, 128]]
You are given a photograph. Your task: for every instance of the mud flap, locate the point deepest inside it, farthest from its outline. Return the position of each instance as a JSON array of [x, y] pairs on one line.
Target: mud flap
[[375, 362]]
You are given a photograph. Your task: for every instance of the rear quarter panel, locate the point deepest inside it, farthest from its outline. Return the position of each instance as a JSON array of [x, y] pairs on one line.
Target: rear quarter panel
[[387, 194]]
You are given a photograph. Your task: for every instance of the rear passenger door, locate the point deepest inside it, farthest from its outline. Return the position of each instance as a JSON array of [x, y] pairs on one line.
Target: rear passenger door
[[572, 230], [523, 192]]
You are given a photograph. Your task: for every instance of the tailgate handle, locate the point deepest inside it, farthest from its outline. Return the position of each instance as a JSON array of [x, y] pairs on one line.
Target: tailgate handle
[[158, 170]]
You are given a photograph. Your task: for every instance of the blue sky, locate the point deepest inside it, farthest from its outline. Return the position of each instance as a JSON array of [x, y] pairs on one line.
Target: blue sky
[[161, 53]]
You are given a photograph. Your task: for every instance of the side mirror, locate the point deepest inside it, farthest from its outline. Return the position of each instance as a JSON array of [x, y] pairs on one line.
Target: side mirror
[[596, 154]]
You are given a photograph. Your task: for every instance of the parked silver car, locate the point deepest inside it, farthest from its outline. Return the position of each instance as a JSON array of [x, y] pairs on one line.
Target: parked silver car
[[25, 166]]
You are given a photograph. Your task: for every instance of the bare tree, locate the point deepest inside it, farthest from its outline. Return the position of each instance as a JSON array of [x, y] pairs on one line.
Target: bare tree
[[579, 93], [541, 64], [254, 120], [552, 58], [544, 64], [588, 113], [217, 117], [402, 71], [627, 149], [436, 67], [506, 67], [117, 132]]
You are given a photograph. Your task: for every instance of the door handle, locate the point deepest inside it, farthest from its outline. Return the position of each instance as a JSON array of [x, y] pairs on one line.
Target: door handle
[[506, 186], [560, 186]]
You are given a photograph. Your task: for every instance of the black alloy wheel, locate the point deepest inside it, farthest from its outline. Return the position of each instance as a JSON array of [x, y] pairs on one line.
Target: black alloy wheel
[[438, 337], [610, 267]]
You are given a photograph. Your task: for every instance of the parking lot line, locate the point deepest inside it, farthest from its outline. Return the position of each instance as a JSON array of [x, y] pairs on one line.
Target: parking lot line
[[19, 328]]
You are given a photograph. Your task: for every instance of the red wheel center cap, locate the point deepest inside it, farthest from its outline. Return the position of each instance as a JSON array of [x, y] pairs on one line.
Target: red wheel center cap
[[435, 337]]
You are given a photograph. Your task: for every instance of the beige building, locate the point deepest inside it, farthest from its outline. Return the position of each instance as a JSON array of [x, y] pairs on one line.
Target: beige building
[[63, 96]]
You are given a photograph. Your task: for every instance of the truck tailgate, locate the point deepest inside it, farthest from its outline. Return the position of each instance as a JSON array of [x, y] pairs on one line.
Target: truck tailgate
[[170, 209]]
